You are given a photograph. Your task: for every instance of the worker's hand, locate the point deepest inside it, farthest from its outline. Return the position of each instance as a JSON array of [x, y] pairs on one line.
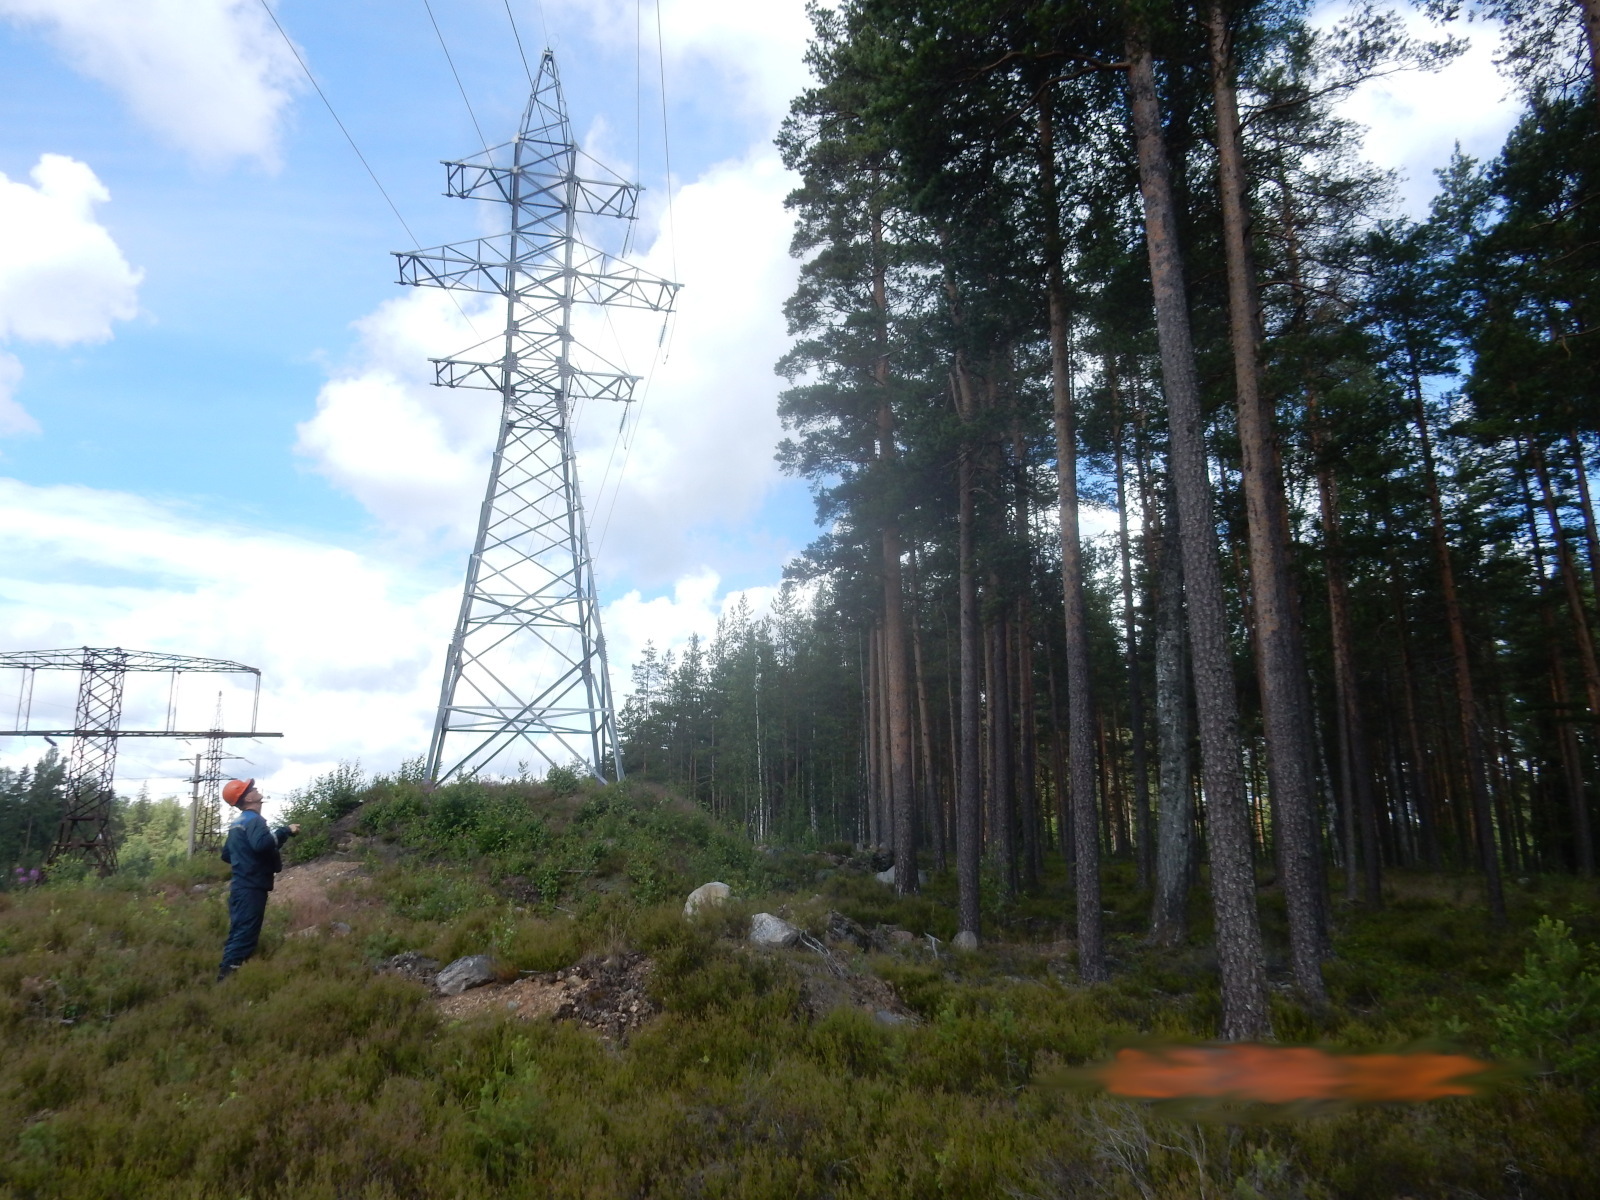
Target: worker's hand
[[294, 829]]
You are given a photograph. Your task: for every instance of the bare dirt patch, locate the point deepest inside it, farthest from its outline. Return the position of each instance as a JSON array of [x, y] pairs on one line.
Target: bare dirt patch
[[605, 993], [317, 894]]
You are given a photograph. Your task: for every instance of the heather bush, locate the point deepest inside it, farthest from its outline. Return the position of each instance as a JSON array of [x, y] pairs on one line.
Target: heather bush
[[128, 1072]]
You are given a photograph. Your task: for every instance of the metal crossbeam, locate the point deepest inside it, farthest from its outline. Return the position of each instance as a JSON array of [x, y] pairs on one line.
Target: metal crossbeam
[[91, 763], [526, 670]]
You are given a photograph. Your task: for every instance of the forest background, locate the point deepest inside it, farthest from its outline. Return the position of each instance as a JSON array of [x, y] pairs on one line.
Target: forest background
[[1129, 255]]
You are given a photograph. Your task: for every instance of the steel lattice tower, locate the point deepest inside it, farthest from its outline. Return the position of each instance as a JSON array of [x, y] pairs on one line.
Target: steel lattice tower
[[526, 669]]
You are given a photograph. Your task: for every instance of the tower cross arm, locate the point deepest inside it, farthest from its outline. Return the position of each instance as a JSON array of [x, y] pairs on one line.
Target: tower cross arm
[[541, 183], [605, 280], [73, 659]]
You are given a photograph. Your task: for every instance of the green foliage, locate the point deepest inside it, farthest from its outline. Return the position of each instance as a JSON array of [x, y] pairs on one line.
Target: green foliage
[[1551, 1012], [128, 1072], [155, 836], [315, 808], [30, 807], [562, 781]]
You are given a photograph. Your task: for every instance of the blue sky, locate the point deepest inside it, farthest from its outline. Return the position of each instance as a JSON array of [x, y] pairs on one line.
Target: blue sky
[[216, 434]]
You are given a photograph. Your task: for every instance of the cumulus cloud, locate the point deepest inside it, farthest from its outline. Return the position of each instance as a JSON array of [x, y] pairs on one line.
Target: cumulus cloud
[[62, 278], [350, 642], [753, 51], [414, 455], [1415, 120], [696, 604], [701, 439], [14, 419], [212, 77]]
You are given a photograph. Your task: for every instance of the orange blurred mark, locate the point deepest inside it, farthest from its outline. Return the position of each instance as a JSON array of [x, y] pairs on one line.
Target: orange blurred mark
[[1279, 1074]]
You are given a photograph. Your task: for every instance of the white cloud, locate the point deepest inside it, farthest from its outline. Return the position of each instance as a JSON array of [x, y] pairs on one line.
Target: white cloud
[[350, 644], [350, 641], [753, 51], [14, 419], [703, 435], [210, 76], [415, 456], [1415, 120], [62, 278], [694, 607]]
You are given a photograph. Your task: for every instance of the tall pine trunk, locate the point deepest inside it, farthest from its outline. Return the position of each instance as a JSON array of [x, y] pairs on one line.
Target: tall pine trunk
[[1239, 949], [1169, 917], [1466, 698], [1280, 656], [1566, 739], [969, 798], [1353, 730], [1080, 703], [897, 688], [932, 794], [1130, 636]]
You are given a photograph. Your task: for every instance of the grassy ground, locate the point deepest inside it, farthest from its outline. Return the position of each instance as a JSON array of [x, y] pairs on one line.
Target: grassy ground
[[127, 1073]]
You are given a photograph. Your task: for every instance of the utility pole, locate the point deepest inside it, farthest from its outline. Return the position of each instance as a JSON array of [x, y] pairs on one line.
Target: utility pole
[[526, 667], [194, 804]]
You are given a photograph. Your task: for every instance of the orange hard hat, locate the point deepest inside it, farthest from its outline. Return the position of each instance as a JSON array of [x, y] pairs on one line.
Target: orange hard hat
[[235, 790]]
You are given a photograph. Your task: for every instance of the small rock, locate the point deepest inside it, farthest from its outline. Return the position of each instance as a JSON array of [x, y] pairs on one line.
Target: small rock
[[884, 1017], [904, 936], [768, 930], [411, 964], [474, 970], [705, 894], [513, 1005], [842, 929], [966, 940], [200, 889], [888, 877], [310, 931], [339, 929]]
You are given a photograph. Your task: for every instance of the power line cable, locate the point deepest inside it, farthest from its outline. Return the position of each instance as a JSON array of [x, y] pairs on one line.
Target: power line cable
[[312, 79], [328, 104], [522, 54], [459, 87], [666, 140]]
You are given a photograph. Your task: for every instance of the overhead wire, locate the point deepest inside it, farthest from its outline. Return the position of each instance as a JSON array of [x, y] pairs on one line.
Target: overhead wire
[[439, 33], [521, 53], [332, 112], [663, 342], [328, 104]]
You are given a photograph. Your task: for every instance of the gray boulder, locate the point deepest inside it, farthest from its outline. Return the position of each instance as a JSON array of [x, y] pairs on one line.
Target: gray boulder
[[888, 877], [768, 930], [966, 940], [474, 970], [705, 894]]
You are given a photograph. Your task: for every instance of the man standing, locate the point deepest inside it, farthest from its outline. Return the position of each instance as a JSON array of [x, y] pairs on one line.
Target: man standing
[[253, 851]]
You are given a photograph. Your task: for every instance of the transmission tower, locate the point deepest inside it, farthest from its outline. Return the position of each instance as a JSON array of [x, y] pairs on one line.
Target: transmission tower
[[526, 668], [205, 795], [97, 727]]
